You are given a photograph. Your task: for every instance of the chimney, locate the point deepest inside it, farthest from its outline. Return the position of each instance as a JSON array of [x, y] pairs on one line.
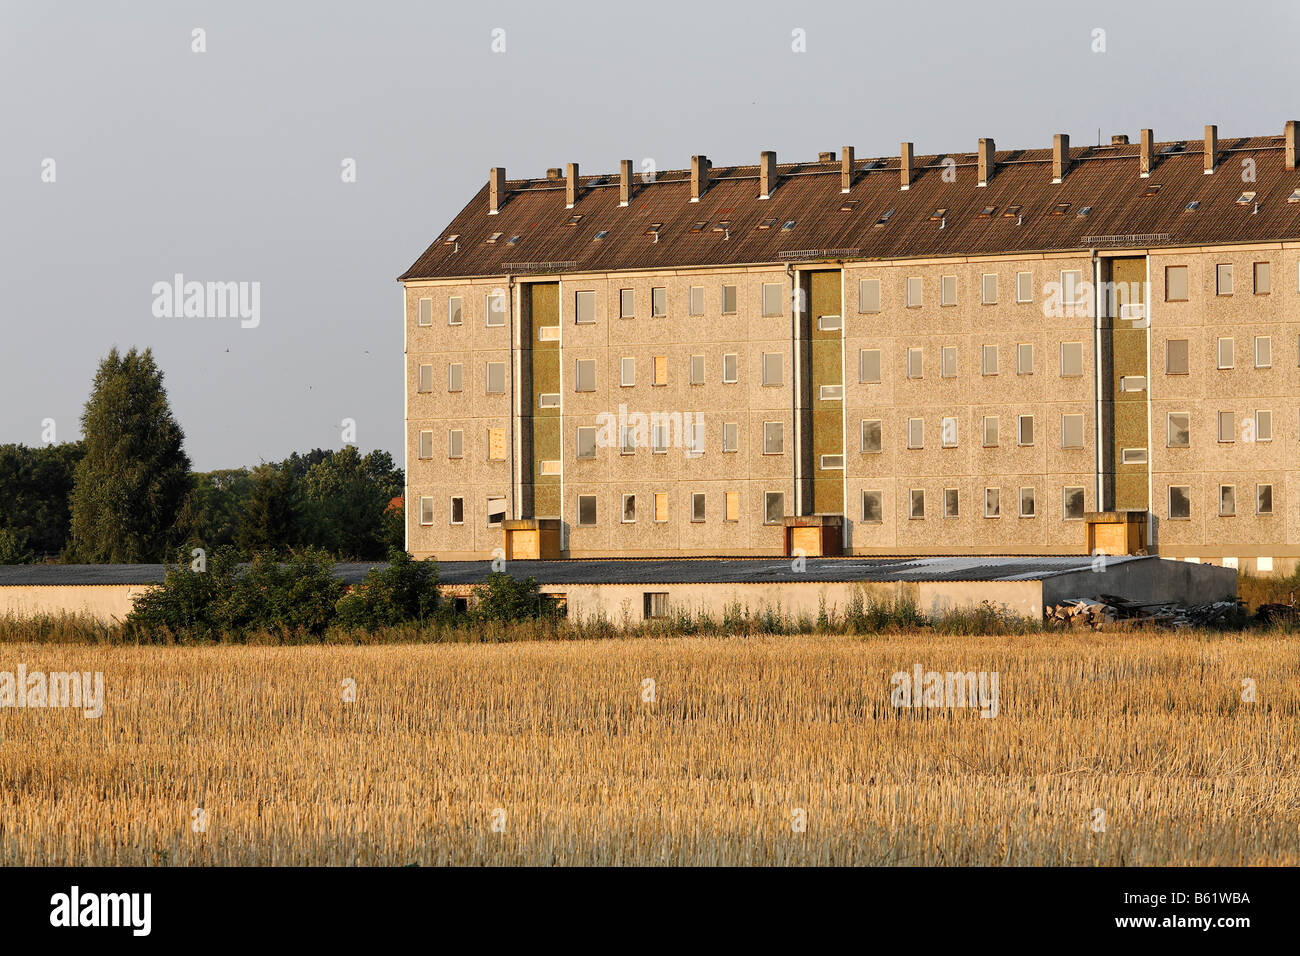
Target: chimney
[[846, 169], [1119, 139], [1211, 147], [826, 157], [496, 189], [553, 173], [570, 185], [1289, 136], [1060, 156], [1144, 153], [986, 162], [905, 166], [766, 173], [699, 177], [624, 181]]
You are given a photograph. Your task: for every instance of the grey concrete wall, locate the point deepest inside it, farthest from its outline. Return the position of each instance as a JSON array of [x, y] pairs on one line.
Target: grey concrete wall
[[1146, 580]]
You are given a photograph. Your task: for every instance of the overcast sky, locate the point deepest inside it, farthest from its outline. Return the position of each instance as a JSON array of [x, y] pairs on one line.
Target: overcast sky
[[226, 165]]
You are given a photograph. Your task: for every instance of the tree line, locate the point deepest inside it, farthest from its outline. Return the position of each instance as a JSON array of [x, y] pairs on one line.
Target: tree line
[[125, 493]]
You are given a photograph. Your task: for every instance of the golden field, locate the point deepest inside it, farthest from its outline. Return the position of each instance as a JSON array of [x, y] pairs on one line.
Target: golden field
[[554, 743]]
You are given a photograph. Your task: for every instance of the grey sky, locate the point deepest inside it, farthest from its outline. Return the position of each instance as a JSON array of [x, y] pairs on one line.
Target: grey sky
[[226, 165]]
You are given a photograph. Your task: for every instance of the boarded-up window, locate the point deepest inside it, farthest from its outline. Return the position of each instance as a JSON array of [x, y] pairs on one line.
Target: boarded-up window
[[661, 506], [1176, 357], [772, 299], [1175, 283], [1071, 359], [496, 444], [660, 370], [868, 295], [869, 366], [733, 505], [1071, 431]]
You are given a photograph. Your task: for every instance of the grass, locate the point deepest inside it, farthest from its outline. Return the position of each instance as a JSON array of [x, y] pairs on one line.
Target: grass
[[1148, 726]]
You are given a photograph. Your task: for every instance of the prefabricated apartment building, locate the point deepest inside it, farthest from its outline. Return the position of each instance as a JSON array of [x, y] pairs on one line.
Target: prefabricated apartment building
[[959, 354]]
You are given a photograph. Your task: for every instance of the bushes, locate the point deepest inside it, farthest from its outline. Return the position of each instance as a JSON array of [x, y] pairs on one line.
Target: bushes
[[406, 591], [501, 597]]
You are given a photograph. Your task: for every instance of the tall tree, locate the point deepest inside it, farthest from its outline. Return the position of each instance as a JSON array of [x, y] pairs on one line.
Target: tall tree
[[135, 474], [344, 499], [268, 522], [34, 487]]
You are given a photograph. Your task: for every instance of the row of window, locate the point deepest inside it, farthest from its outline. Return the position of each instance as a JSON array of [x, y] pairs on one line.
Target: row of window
[[1176, 284], [1179, 506], [1072, 504], [773, 508]]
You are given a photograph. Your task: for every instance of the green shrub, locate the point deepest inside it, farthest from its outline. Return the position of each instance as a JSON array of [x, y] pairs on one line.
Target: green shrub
[[502, 597], [404, 592]]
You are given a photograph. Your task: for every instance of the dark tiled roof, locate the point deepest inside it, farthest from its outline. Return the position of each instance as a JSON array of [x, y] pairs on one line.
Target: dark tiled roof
[[639, 570], [1102, 177]]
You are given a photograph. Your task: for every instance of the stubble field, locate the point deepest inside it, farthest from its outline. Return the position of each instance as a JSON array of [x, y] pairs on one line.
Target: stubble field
[[1133, 749]]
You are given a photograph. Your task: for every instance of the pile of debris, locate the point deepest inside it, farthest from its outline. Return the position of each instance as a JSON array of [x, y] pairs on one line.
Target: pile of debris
[[1112, 612]]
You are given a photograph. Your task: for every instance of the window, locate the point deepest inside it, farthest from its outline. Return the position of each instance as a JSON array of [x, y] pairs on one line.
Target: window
[[1133, 456], [1176, 357], [915, 367], [1071, 431], [584, 377], [830, 393], [1262, 281], [1263, 351], [586, 510], [697, 370], [1132, 383], [1223, 278], [626, 303], [424, 382], [584, 308], [455, 443], [426, 511], [871, 436], [659, 302], [455, 377], [548, 400], [873, 509], [1227, 427], [549, 467], [697, 300], [457, 510], [1027, 503], [947, 291], [495, 308], [948, 362], [1263, 425], [773, 507], [661, 507], [1024, 287], [730, 436], [868, 296], [424, 310], [992, 502], [948, 432], [629, 509], [626, 440], [989, 360], [730, 368], [869, 366], [916, 503], [989, 288], [1180, 502], [1227, 501], [697, 506], [772, 296], [728, 300], [772, 371], [627, 371], [1072, 504], [1025, 430], [1071, 359], [496, 378], [496, 444], [990, 431], [1024, 359], [496, 509], [426, 444], [829, 323], [1178, 430], [913, 292], [455, 310], [1175, 283], [1227, 357], [732, 500], [773, 438], [831, 462], [586, 442], [915, 433], [1073, 291], [1263, 499], [656, 604], [951, 503], [660, 370], [658, 438]]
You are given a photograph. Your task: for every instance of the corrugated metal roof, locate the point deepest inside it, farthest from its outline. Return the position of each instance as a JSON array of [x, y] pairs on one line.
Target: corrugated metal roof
[[1102, 177], [640, 570]]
